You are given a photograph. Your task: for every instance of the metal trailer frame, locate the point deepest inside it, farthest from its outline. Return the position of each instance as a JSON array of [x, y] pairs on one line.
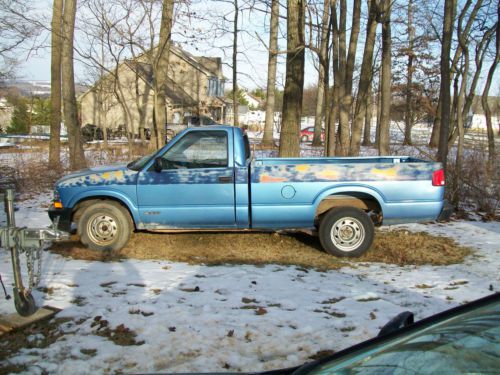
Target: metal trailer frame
[[19, 240]]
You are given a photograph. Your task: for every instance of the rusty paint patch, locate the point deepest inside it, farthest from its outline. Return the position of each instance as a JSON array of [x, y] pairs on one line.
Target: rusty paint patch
[[266, 178]]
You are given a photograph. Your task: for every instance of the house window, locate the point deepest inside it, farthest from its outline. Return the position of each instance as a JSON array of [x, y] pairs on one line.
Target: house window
[[220, 87], [212, 86], [215, 87]]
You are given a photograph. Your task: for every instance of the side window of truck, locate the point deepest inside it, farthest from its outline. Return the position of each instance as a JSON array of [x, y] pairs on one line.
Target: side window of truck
[[200, 149]]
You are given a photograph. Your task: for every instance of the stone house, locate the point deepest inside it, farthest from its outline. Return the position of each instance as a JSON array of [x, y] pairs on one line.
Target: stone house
[[124, 99]]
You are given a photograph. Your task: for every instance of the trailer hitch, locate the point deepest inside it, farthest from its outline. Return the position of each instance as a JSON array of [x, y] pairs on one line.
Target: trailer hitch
[[28, 241]]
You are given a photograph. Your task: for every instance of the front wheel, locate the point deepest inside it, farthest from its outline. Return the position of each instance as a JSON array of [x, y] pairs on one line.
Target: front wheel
[[105, 226], [346, 232]]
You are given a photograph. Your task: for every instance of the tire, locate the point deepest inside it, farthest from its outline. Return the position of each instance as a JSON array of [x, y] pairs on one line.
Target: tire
[[105, 226], [24, 303], [346, 232], [304, 138]]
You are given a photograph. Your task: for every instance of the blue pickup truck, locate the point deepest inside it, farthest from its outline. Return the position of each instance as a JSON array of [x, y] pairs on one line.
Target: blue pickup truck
[[206, 179]]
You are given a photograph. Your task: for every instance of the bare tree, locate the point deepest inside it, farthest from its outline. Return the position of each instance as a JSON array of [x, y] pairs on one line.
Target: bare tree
[[344, 62], [235, 63], [294, 82], [160, 69], [18, 27], [268, 138], [471, 17], [449, 16], [70, 110], [55, 85], [484, 97], [331, 139], [476, 40], [322, 93], [385, 110], [409, 117], [365, 80]]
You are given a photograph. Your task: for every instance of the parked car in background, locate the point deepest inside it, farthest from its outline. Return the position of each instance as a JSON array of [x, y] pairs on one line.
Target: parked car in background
[[171, 130], [307, 134], [198, 121], [92, 132]]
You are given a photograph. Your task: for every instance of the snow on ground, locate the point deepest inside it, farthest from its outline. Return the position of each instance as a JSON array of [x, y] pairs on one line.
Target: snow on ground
[[235, 318]]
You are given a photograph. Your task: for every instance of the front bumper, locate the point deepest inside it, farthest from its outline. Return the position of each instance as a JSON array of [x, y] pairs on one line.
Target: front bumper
[[446, 212], [64, 215]]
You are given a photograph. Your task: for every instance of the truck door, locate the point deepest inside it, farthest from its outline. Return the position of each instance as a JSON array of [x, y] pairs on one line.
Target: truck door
[[195, 188]]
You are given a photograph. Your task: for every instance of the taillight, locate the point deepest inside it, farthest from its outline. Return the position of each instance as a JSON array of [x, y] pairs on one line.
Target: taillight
[[438, 178]]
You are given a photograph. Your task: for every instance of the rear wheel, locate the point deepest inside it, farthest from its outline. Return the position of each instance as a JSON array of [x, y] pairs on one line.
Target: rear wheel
[[105, 226], [304, 138], [346, 231]]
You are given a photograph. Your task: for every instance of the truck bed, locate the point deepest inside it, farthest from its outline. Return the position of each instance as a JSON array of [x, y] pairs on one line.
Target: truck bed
[[287, 189]]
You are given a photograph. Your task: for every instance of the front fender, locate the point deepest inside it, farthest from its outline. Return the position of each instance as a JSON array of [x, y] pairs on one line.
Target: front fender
[[350, 188], [106, 193]]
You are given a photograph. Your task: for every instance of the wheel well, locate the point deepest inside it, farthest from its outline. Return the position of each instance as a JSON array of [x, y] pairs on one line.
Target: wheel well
[[362, 201], [86, 202]]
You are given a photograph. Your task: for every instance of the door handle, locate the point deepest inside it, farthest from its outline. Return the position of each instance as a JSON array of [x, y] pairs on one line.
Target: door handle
[[226, 179]]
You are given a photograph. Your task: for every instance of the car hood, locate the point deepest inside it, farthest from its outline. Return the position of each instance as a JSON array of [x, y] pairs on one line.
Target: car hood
[[116, 174]]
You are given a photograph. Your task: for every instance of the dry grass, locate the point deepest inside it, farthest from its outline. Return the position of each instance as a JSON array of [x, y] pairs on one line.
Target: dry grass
[[393, 247]]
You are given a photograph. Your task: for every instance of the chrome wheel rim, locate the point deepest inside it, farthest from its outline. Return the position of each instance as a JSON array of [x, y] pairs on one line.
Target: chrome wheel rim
[[102, 229], [347, 234]]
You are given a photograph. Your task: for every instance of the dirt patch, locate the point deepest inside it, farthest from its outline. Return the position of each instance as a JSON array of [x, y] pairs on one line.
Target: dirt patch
[[35, 336], [394, 247], [121, 335], [402, 247]]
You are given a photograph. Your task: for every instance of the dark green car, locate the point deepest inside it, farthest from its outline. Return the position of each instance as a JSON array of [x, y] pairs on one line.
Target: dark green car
[[463, 340]]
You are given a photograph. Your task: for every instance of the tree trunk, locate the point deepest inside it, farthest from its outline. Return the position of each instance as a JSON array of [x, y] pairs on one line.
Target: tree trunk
[[436, 127], [101, 94], [323, 68], [55, 87], [268, 139], [161, 71], [70, 110], [346, 105], [409, 77], [480, 54], [449, 16], [365, 80], [294, 81], [385, 110], [236, 120], [484, 98], [343, 131], [457, 183], [330, 140], [368, 119]]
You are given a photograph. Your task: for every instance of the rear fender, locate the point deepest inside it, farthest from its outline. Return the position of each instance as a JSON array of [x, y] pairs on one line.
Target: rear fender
[[349, 192]]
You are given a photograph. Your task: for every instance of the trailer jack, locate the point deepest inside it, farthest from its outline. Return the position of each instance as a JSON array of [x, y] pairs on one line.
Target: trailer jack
[[30, 242]]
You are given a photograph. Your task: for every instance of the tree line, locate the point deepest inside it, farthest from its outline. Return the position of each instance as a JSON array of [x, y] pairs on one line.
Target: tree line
[[429, 60]]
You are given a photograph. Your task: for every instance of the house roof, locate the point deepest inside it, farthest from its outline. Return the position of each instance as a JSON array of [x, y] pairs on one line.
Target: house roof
[[173, 91], [208, 65]]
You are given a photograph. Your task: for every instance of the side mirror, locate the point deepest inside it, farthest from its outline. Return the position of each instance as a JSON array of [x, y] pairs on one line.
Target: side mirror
[[158, 165], [401, 320]]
